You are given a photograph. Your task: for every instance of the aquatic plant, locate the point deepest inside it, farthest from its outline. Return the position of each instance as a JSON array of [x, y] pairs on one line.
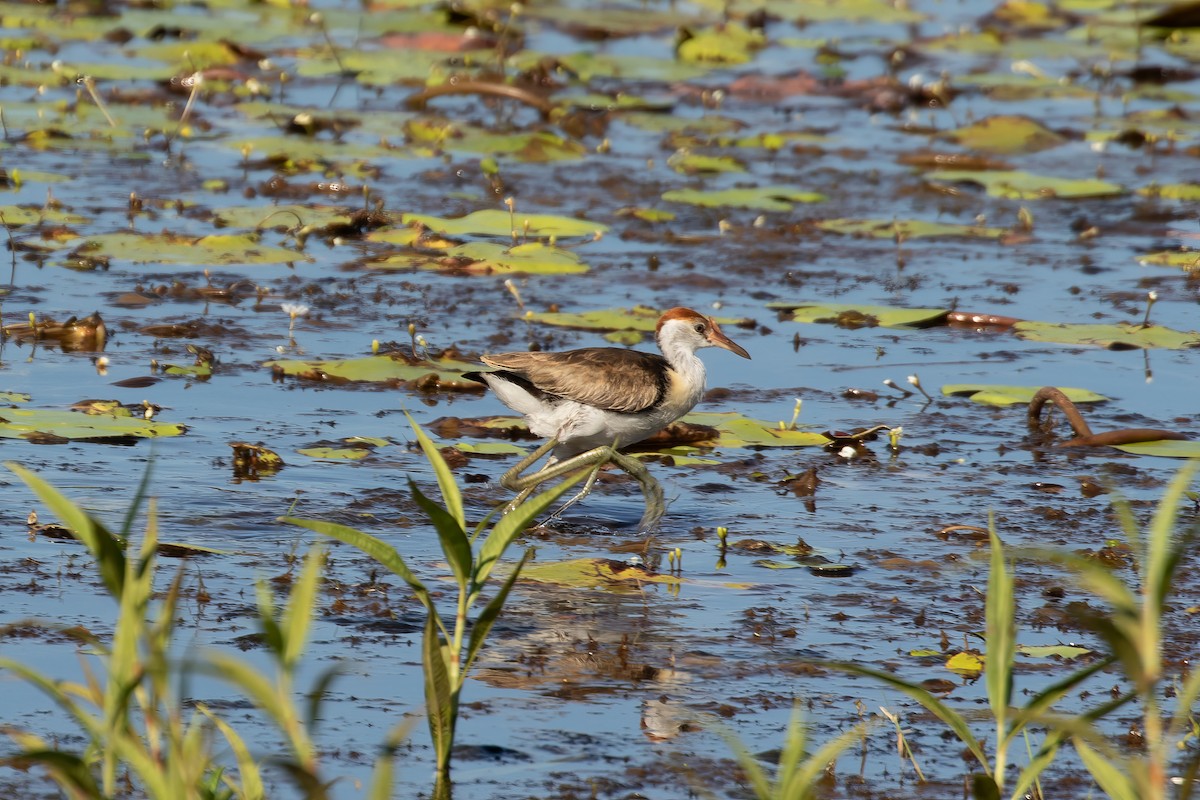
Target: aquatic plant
[[139, 731], [451, 644]]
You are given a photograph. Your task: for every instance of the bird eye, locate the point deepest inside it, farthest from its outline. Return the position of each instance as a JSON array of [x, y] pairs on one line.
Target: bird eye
[[699, 326]]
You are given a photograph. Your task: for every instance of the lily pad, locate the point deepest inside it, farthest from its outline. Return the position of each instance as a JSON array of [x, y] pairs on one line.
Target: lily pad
[[55, 427], [1166, 448], [491, 449], [690, 163], [14, 397], [1184, 259], [739, 431], [1019, 185], [908, 229], [1007, 134], [1067, 651], [1172, 191], [729, 43], [594, 572], [353, 448], [966, 663], [493, 222], [1122, 336], [637, 318], [167, 248], [999, 395], [386, 368], [848, 315], [762, 198], [491, 258]]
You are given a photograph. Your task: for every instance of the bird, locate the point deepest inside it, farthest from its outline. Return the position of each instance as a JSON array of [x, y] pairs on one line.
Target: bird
[[588, 402]]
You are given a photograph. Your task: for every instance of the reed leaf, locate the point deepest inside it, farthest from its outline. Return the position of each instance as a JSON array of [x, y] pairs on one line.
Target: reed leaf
[[251, 786], [483, 623], [451, 496], [451, 535], [298, 613]]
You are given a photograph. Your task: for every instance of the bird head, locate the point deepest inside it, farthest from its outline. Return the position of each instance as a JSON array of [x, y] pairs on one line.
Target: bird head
[[691, 330]]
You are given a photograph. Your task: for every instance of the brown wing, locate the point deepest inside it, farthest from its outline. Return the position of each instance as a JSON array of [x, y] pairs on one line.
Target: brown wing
[[605, 377]]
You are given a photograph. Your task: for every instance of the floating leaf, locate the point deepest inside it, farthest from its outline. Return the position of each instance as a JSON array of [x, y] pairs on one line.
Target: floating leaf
[[1007, 134], [738, 431], [53, 427], [490, 258], [335, 453], [493, 222], [1122, 336], [638, 318], [763, 198], [864, 316], [1166, 448], [167, 248], [1172, 191], [38, 215], [1067, 651], [969, 663], [14, 397], [690, 163], [389, 367], [728, 43], [491, 449], [907, 229], [998, 395], [1027, 186], [647, 214], [593, 572], [287, 216], [1184, 259]]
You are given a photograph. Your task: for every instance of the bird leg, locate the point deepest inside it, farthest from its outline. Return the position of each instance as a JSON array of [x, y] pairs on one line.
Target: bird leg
[[595, 458]]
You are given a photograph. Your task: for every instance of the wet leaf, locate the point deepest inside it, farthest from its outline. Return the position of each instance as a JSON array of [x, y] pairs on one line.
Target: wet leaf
[[37, 215], [491, 449], [1007, 134], [690, 163], [335, 453], [166, 248], [1018, 185], [1166, 448], [1172, 191], [739, 431], [637, 318], [593, 572], [863, 316], [490, 258], [907, 229], [1067, 651], [1184, 259], [968, 663], [493, 222], [729, 43], [14, 397], [390, 367], [647, 214], [763, 198], [999, 395], [49, 426], [1122, 336]]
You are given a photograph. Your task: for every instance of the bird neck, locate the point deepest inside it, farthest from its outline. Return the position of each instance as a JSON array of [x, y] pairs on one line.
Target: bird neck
[[682, 358]]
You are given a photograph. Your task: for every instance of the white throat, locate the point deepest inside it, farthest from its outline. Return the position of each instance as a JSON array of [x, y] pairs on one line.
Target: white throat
[[680, 353]]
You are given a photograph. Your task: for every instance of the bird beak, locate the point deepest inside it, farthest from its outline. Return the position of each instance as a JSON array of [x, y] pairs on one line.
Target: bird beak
[[719, 339]]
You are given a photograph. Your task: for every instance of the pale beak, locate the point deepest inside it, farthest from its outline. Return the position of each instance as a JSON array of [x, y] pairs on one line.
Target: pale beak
[[719, 339]]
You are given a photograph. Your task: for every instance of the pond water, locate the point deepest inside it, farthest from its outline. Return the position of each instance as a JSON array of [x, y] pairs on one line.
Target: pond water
[[601, 691]]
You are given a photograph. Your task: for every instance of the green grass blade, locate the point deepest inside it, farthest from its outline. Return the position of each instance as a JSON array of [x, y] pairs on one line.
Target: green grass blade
[[755, 775], [1115, 784], [791, 755], [450, 534], [445, 478], [1001, 637], [251, 787], [491, 612], [69, 771], [297, 615], [376, 548], [383, 776], [1042, 702], [512, 524], [103, 545], [440, 694], [936, 707]]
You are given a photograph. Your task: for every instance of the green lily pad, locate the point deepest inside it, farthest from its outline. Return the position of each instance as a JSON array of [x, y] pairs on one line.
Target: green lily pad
[[492, 258], [389, 368], [14, 397], [998, 395], [200, 371], [1122, 336], [1019, 185], [1166, 448], [287, 216], [907, 229], [848, 315], [647, 214], [593, 572], [1172, 191], [588, 66], [729, 43], [351, 449], [1067, 651], [701, 129], [689, 163], [637, 318], [736, 430], [762, 198], [1007, 134], [167, 248], [491, 449], [37, 215], [493, 222], [1184, 259], [52, 427]]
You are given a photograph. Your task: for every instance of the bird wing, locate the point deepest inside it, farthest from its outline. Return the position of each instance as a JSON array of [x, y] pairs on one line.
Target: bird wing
[[605, 377]]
